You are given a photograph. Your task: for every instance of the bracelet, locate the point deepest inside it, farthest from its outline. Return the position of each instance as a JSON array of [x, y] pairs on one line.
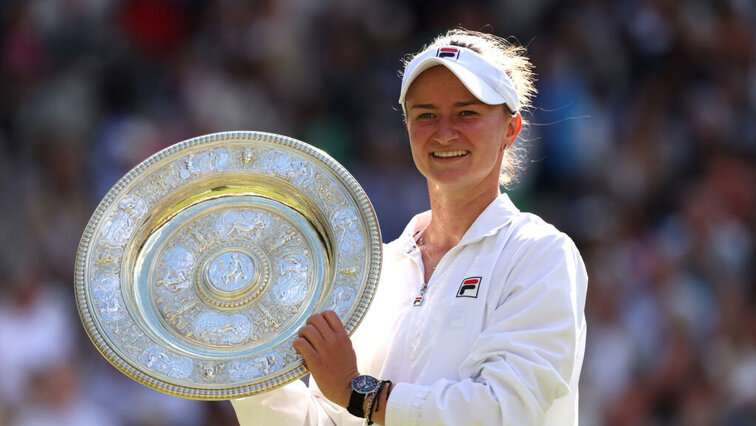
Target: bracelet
[[388, 392], [376, 397], [372, 398]]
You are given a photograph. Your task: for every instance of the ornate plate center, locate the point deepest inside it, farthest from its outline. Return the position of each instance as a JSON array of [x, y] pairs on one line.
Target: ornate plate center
[[230, 272]]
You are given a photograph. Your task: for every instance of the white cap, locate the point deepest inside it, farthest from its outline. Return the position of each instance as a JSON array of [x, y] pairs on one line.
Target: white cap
[[483, 79]]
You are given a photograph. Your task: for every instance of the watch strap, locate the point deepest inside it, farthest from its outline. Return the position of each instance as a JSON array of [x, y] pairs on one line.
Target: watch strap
[[355, 404]]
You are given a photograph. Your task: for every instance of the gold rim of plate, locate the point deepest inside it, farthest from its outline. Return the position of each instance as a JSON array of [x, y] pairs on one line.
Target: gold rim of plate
[[199, 266]]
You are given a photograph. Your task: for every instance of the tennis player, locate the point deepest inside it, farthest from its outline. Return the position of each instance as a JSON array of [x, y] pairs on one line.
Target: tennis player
[[478, 316]]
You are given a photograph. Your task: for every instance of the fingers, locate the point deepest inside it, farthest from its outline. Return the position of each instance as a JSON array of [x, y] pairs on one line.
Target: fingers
[[327, 323], [322, 332], [312, 335], [318, 331], [304, 348], [327, 351], [320, 323], [334, 321]]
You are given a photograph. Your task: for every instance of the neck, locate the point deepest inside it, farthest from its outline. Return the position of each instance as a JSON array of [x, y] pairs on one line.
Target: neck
[[453, 212]]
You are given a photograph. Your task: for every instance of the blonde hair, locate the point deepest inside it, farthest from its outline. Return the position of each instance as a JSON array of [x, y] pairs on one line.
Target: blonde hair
[[512, 59]]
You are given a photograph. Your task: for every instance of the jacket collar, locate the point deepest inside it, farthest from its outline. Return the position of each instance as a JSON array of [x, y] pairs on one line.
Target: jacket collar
[[498, 214]]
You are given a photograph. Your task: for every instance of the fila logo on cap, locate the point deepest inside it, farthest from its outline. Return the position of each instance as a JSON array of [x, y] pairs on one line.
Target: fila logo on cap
[[469, 287], [448, 52]]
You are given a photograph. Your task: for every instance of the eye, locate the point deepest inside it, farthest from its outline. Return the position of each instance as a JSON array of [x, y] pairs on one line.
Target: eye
[[467, 113], [425, 116]]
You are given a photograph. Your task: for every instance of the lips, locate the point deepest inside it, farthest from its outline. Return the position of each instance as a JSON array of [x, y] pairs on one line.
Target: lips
[[450, 154]]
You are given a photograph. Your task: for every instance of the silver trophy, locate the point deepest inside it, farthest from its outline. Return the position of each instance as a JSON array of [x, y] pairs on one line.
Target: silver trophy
[[199, 266]]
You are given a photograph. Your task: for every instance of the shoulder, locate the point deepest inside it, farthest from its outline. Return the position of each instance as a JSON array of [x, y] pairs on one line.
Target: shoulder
[[530, 231], [540, 262], [509, 227], [532, 247]]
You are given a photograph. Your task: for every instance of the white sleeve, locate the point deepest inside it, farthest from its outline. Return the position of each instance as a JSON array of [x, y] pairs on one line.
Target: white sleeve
[[293, 404], [528, 355]]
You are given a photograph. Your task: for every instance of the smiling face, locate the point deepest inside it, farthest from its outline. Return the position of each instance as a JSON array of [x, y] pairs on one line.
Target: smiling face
[[457, 141]]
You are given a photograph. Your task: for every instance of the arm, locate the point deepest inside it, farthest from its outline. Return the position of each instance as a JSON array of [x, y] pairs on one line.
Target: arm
[[526, 358], [329, 355]]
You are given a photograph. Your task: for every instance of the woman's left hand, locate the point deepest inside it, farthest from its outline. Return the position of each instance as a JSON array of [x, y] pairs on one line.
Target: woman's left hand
[[328, 354]]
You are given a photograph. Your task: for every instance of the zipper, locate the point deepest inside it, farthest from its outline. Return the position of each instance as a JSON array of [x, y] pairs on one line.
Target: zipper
[[420, 298]]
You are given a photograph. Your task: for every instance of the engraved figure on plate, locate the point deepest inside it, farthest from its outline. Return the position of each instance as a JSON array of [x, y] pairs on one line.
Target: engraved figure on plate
[[242, 221], [202, 163], [269, 362], [174, 272], [231, 270], [240, 370], [124, 219], [294, 273], [128, 336], [174, 366], [341, 299], [346, 225], [106, 292], [296, 171], [108, 255], [221, 329], [210, 371]]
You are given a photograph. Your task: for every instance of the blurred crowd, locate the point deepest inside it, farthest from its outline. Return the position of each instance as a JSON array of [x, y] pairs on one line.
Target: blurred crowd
[[642, 147]]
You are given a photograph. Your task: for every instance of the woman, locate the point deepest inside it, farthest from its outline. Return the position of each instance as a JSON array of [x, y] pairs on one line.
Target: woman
[[478, 318]]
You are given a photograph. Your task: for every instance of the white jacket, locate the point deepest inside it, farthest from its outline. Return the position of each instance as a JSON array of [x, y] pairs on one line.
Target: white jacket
[[498, 340]]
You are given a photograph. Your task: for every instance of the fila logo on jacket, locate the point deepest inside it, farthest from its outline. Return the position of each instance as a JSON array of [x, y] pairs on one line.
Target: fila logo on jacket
[[469, 287]]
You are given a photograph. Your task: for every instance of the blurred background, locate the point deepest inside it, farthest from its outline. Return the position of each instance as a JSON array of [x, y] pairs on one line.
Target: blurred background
[[642, 147]]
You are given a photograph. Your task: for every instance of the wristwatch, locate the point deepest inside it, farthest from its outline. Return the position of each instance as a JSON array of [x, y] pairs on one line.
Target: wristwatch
[[362, 386]]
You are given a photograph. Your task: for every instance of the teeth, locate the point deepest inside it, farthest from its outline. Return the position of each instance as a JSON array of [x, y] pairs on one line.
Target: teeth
[[449, 154]]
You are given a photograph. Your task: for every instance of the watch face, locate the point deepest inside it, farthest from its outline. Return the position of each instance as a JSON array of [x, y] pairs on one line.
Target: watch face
[[364, 384]]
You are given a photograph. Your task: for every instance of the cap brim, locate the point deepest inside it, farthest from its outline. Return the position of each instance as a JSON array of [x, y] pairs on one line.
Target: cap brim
[[479, 88]]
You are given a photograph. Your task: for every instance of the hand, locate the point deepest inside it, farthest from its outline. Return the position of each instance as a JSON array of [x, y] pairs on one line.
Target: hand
[[328, 354]]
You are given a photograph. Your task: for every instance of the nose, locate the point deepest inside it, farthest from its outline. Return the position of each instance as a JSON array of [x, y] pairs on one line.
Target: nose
[[446, 131]]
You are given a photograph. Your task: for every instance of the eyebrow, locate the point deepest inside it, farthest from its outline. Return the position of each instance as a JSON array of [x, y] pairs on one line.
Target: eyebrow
[[456, 105]]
